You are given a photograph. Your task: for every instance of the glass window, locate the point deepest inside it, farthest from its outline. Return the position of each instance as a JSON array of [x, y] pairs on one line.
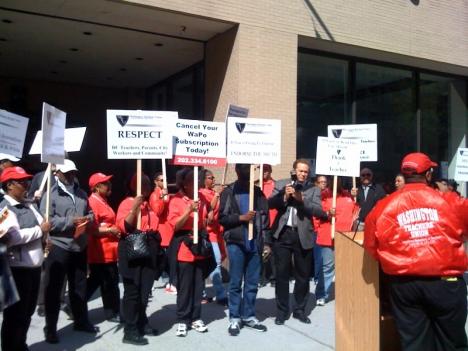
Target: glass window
[[385, 96], [322, 95]]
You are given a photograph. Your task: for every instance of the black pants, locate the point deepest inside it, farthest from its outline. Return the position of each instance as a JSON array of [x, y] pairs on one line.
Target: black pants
[[430, 313], [190, 286], [106, 277], [135, 299], [17, 317], [59, 263], [289, 247]]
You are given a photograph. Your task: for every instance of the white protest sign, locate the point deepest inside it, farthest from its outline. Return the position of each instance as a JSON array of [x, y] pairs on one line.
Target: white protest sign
[[73, 140], [461, 165], [12, 133], [137, 134], [254, 140], [237, 111], [199, 143], [338, 157], [53, 134], [366, 133]]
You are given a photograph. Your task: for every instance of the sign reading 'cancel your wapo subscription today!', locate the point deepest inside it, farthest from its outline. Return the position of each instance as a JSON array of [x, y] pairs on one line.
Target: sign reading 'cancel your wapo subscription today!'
[[137, 134]]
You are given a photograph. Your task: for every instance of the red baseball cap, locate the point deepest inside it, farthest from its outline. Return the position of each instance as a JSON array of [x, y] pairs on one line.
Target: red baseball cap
[[14, 173], [97, 178], [416, 162]]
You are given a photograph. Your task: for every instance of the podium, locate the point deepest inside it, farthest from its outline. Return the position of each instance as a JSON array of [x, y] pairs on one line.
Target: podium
[[360, 323]]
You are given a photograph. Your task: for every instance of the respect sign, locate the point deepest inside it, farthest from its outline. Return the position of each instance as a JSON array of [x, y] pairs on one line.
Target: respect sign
[[461, 165], [254, 140], [53, 134], [366, 134], [137, 134], [338, 157], [199, 143], [12, 133]]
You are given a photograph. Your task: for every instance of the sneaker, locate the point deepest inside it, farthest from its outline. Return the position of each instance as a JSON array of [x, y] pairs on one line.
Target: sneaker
[[234, 328], [170, 289], [255, 325], [41, 310], [181, 329], [320, 302], [199, 326]]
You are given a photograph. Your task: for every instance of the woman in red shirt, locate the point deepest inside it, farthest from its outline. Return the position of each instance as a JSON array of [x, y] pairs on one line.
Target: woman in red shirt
[[191, 270], [102, 248], [210, 195], [138, 275]]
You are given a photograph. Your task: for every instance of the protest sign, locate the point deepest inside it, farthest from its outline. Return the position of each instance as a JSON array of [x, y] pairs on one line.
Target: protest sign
[[365, 133], [199, 143], [338, 157], [53, 134], [461, 165], [12, 133], [237, 111], [137, 134], [254, 140], [73, 140]]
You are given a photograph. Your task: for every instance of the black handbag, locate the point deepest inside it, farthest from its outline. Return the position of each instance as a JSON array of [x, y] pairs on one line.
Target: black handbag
[[203, 248], [137, 246]]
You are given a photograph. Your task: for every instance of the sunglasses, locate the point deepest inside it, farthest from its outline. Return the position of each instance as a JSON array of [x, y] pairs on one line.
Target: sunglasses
[[22, 182]]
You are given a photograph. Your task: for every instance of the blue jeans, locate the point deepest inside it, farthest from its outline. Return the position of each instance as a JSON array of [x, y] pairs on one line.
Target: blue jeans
[[243, 266], [326, 271], [215, 276]]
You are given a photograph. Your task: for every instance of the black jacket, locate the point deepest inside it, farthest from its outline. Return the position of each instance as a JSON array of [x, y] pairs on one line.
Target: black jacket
[[229, 213], [374, 194]]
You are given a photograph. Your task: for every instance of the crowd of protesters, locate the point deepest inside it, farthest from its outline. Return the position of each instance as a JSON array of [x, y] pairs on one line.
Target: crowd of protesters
[[87, 246]]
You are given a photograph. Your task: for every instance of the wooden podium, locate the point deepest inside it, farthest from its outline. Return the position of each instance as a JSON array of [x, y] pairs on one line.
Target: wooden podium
[[359, 323]]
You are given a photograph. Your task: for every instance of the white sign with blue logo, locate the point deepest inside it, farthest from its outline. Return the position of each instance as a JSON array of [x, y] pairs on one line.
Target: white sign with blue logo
[[338, 157], [138, 134], [12, 133], [461, 165], [253, 140], [366, 134]]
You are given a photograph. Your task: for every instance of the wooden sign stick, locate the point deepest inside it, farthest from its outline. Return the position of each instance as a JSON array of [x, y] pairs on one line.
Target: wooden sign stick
[[251, 198], [195, 198], [260, 177], [138, 191], [333, 220], [47, 176], [163, 162]]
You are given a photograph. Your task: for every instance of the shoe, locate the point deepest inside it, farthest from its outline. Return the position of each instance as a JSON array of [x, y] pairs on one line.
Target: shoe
[[199, 326], [255, 325], [51, 336], [279, 321], [320, 302], [234, 328], [41, 310], [86, 328], [67, 310], [206, 300], [170, 289], [134, 339], [222, 302], [148, 330], [302, 318], [181, 329]]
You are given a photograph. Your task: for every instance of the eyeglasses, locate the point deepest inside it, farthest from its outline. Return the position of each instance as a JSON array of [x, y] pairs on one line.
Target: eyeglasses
[[366, 175]]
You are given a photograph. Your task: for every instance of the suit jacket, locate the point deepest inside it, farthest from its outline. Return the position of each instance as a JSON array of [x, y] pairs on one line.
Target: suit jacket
[[311, 206], [374, 194]]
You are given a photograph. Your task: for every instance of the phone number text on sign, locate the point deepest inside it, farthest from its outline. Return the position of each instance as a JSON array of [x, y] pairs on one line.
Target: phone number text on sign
[[199, 161]]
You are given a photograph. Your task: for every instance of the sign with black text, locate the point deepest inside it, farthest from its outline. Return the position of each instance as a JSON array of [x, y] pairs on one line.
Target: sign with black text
[[137, 134], [53, 134], [199, 143], [338, 157], [366, 134], [254, 140], [461, 165], [73, 140], [237, 111], [12, 133]]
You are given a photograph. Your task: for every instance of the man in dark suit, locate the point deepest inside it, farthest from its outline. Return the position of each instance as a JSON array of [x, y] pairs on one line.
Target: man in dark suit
[[291, 236]]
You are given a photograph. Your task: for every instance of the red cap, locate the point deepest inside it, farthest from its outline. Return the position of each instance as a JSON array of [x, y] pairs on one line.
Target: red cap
[[97, 178], [416, 162], [15, 173]]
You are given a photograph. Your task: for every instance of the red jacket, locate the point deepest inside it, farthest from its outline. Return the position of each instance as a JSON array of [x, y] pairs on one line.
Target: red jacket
[[415, 231]]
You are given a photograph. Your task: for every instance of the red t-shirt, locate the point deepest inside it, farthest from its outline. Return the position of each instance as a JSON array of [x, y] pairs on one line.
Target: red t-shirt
[[268, 187], [102, 248], [149, 220], [164, 228], [179, 202]]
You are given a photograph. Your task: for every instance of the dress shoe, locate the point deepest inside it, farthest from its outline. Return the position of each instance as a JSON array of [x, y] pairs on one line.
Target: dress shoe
[[279, 321], [302, 317], [134, 339], [50, 336], [86, 327], [148, 330]]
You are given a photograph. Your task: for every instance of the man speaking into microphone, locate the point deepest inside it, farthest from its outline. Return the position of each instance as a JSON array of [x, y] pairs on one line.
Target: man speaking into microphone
[[292, 236]]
